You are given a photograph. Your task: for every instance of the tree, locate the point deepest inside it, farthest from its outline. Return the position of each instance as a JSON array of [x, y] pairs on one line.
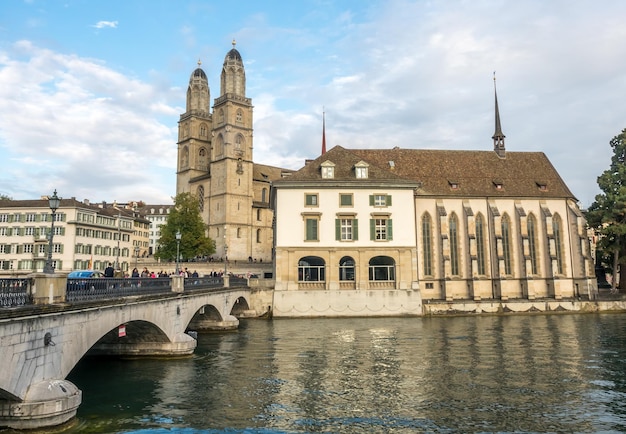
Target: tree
[[184, 217], [5, 197], [607, 214]]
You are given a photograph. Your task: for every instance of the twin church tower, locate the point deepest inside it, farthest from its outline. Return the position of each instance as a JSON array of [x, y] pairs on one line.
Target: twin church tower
[[215, 164]]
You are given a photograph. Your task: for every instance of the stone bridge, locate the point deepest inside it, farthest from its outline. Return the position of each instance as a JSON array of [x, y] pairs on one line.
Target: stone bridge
[[40, 348]]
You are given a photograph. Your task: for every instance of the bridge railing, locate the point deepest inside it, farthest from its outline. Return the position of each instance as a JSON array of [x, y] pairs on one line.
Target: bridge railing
[[110, 288], [15, 292], [205, 282]]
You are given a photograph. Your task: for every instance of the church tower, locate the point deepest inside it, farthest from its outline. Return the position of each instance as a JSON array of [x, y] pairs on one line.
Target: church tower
[[498, 136], [194, 139], [230, 216]]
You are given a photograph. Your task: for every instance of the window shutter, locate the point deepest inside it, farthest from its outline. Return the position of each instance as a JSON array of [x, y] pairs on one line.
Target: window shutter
[[371, 200], [7, 248], [372, 229], [388, 199], [337, 229], [355, 229], [389, 230]]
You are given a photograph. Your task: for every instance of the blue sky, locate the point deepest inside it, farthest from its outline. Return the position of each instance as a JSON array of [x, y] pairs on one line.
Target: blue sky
[[91, 91]]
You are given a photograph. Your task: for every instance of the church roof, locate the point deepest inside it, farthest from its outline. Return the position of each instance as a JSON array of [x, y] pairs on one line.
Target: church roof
[[446, 173], [198, 73], [262, 172]]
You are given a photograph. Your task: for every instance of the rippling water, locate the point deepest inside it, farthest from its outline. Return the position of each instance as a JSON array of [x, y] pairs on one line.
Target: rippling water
[[534, 373]]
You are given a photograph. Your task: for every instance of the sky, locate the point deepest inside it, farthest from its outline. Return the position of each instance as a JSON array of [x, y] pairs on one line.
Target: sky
[[91, 91]]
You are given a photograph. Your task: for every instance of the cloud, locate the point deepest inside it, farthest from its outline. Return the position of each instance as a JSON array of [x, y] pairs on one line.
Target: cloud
[[104, 24]]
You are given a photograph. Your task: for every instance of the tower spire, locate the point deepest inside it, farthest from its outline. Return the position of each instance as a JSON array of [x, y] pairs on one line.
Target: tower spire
[[498, 136], [323, 132]]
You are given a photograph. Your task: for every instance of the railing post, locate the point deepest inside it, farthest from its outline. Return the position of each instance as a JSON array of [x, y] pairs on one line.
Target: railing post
[[226, 281], [178, 283], [48, 288]]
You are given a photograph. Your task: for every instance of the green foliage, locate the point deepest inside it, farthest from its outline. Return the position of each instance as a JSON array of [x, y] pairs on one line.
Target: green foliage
[[607, 214], [5, 197], [185, 217]]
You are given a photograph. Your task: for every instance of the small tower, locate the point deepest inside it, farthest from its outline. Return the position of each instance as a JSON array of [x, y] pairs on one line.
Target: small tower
[[498, 136]]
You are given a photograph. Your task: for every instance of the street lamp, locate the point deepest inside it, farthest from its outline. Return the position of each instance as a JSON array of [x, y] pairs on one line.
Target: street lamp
[[225, 260], [178, 236], [54, 203], [136, 255]]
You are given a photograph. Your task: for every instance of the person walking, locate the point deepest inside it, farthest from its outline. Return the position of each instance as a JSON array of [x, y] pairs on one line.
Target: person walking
[[109, 271]]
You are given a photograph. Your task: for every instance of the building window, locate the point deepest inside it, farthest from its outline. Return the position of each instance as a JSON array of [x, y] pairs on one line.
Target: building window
[[311, 269], [328, 172], [480, 244], [381, 229], [345, 199], [201, 198], [558, 242], [346, 229], [311, 199], [264, 195], [346, 268], [506, 243], [239, 118], [454, 245], [532, 243], [382, 268], [258, 235], [380, 200], [258, 214], [427, 244], [311, 231], [361, 170]]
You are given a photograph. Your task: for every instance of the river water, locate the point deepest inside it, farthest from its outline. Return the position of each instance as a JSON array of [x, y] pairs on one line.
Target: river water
[[522, 373]]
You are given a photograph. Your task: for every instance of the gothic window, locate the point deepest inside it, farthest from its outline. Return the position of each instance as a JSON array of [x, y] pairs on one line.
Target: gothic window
[[202, 159], [480, 244], [532, 243], [201, 198], [221, 116], [203, 130], [239, 116], [219, 146], [506, 244], [454, 244], [427, 236], [558, 242], [238, 142]]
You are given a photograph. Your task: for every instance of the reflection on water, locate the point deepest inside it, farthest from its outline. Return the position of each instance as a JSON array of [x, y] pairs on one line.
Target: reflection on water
[[534, 373]]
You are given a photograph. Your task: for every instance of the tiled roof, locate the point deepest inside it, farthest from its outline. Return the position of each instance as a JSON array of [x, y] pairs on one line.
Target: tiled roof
[[262, 172], [448, 173]]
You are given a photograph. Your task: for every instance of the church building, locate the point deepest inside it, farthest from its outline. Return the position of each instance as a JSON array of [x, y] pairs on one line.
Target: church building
[[375, 232], [215, 163]]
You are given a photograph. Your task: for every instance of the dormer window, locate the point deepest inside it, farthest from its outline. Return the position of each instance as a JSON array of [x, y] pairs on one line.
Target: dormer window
[[542, 186], [361, 170], [454, 185], [499, 185], [328, 170]]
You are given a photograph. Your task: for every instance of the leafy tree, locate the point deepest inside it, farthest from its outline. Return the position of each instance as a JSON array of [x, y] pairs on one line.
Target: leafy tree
[[607, 214], [5, 197], [184, 217]]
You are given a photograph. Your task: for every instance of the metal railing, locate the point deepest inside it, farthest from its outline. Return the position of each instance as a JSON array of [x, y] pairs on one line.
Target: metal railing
[[111, 288], [14, 292], [192, 283]]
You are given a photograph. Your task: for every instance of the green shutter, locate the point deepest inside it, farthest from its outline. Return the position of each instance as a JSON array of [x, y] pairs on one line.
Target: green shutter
[[371, 200], [389, 230], [355, 229], [338, 229], [372, 229], [388, 198]]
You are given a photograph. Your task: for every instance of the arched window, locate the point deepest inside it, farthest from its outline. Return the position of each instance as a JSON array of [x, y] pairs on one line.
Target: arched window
[[346, 268], [311, 269], [427, 244], [184, 158], [454, 244], [203, 130], [221, 116], [201, 198], [480, 244], [382, 268], [558, 242], [219, 146], [258, 235], [506, 243], [239, 142], [202, 159], [532, 243]]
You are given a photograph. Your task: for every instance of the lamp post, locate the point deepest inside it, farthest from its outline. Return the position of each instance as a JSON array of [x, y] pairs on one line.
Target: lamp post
[[54, 202], [136, 255], [178, 236], [119, 235], [225, 260]]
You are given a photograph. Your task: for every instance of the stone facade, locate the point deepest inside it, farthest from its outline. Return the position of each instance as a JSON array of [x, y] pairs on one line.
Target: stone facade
[[215, 163]]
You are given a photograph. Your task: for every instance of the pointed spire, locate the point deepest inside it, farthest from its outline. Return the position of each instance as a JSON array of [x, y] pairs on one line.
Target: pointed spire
[[323, 132], [498, 136]]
